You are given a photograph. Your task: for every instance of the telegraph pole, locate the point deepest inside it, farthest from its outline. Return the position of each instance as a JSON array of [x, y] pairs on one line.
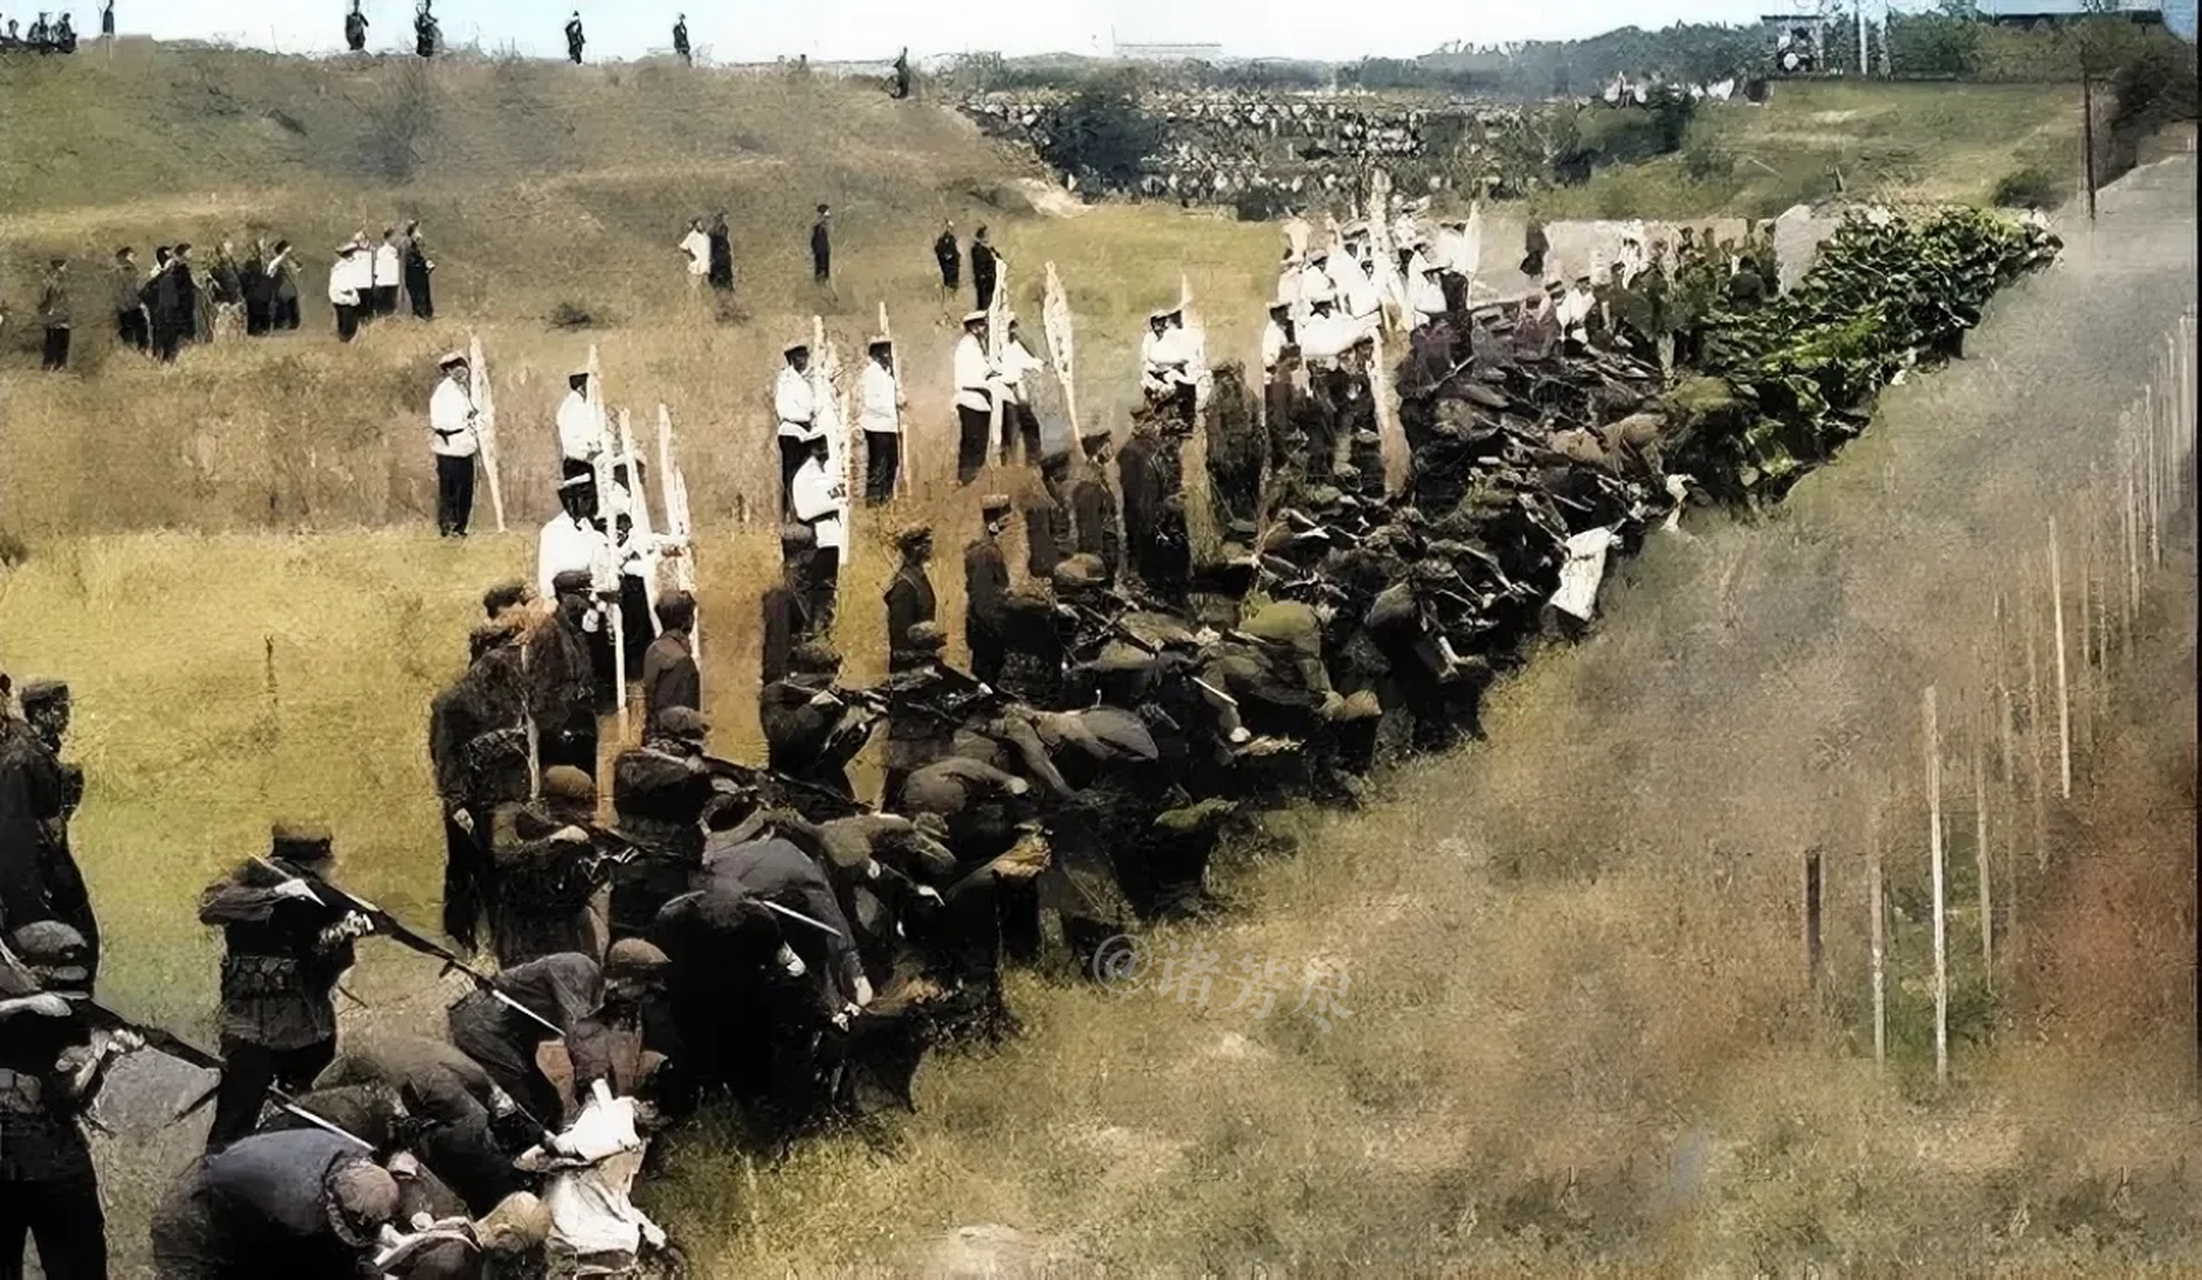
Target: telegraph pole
[[2087, 135]]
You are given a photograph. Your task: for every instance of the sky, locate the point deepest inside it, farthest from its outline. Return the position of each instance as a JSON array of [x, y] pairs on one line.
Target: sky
[[873, 30]]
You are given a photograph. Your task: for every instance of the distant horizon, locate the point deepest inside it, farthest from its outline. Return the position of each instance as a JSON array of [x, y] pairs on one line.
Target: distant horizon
[[874, 31]]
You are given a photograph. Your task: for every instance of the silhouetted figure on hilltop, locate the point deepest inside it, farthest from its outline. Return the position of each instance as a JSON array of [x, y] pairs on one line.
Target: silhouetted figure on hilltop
[[902, 75], [427, 35], [355, 29], [574, 39], [680, 40], [107, 20]]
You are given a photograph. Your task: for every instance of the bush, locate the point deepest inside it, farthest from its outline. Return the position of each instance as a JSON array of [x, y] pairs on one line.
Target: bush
[[1708, 162], [576, 315], [1102, 136], [2029, 188]]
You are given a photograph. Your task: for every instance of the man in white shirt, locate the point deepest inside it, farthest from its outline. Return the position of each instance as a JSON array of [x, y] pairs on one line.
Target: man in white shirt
[[1454, 268], [1191, 344], [579, 433], [389, 268], [344, 290], [818, 499], [697, 246], [1574, 313], [880, 415], [570, 541], [1425, 293], [1163, 374], [975, 390], [452, 440], [1018, 421], [1276, 336], [797, 411]]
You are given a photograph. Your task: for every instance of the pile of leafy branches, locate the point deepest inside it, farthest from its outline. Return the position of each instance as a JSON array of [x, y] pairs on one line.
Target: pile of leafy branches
[[1788, 383]]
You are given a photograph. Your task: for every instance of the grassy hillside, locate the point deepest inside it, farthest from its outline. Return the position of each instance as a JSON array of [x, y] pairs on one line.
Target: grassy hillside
[[542, 188]]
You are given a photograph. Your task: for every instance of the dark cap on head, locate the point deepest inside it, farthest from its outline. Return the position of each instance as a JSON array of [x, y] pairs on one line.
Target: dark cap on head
[[503, 596], [572, 580], [911, 535], [634, 958], [564, 782], [301, 842], [685, 723], [814, 657], [40, 693], [994, 504]]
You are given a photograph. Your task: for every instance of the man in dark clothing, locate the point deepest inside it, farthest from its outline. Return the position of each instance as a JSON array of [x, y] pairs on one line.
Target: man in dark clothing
[[175, 304], [478, 746], [560, 990], [670, 677], [548, 869], [426, 33], [786, 604], [1427, 682], [1150, 500], [950, 258], [416, 266], [562, 694], [448, 1110], [107, 20], [811, 729], [1046, 514], [821, 247], [680, 40], [283, 283], [39, 877], [51, 1068], [355, 29], [986, 590], [259, 289], [130, 326], [722, 255], [53, 314], [664, 793], [982, 269], [284, 949], [1096, 526], [909, 595], [303, 1203], [574, 38], [902, 75]]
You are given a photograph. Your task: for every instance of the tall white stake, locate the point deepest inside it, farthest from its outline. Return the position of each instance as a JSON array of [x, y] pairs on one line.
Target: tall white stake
[[2064, 677], [1941, 923]]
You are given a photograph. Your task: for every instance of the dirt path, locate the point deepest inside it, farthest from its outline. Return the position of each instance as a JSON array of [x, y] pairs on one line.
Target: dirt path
[[1579, 1031]]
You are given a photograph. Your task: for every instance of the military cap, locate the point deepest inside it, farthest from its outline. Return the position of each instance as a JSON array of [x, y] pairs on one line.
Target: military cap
[[994, 504], [794, 348], [1280, 305], [577, 377], [634, 958], [58, 952], [912, 534], [1093, 439], [685, 723], [1116, 657], [504, 595], [879, 341], [975, 317], [814, 657], [926, 636], [564, 782], [579, 480], [572, 580], [38, 693], [451, 358], [796, 536], [1164, 313], [301, 842], [365, 1192]]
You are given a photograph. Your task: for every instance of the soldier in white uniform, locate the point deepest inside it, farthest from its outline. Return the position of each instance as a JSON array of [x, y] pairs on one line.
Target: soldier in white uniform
[[975, 391], [578, 436], [1018, 421], [880, 415], [818, 499], [794, 406], [452, 439]]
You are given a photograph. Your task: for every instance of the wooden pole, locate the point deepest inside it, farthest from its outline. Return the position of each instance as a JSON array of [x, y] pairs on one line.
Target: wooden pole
[[2003, 686], [2131, 528], [2087, 139], [2155, 478], [1879, 949], [1812, 917], [2064, 675], [1941, 923], [2036, 723], [1980, 858]]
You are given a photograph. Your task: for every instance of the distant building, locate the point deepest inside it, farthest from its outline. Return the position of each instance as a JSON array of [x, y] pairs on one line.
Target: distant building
[[1170, 52]]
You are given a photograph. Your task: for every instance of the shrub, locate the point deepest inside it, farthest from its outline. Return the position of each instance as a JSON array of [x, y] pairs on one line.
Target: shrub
[[2031, 187], [1708, 162], [1102, 136], [576, 315]]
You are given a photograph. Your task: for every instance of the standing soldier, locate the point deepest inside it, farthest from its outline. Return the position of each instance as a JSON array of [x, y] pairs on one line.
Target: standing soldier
[[53, 313], [107, 20], [478, 747], [51, 1068], [39, 878], [902, 75], [669, 674], [950, 258], [794, 405], [355, 29], [283, 280], [130, 327], [284, 952], [818, 498], [578, 440], [452, 438], [680, 40], [986, 591], [562, 681], [389, 273], [983, 259], [881, 418], [821, 247], [425, 35], [696, 246], [344, 291], [574, 39], [785, 605], [975, 390], [909, 597]]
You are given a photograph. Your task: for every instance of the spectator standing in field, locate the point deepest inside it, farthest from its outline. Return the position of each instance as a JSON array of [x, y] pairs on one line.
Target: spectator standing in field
[[53, 313], [574, 39], [389, 272], [950, 258], [697, 246], [413, 252], [722, 256], [131, 329], [355, 29], [983, 262], [283, 280], [453, 442], [680, 40], [344, 291], [821, 247]]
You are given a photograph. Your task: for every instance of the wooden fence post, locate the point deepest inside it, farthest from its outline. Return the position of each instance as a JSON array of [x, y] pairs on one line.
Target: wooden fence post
[[1879, 947], [1812, 910], [1941, 923], [2064, 678]]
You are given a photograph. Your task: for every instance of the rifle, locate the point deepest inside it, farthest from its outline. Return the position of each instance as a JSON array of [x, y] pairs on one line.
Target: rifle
[[397, 931], [101, 1018]]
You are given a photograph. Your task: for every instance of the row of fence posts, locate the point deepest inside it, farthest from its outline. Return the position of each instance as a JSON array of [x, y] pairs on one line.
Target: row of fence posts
[[2012, 740]]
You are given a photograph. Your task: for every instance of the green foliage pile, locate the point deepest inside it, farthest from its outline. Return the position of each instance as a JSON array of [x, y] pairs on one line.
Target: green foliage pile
[[1102, 135], [1790, 382]]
